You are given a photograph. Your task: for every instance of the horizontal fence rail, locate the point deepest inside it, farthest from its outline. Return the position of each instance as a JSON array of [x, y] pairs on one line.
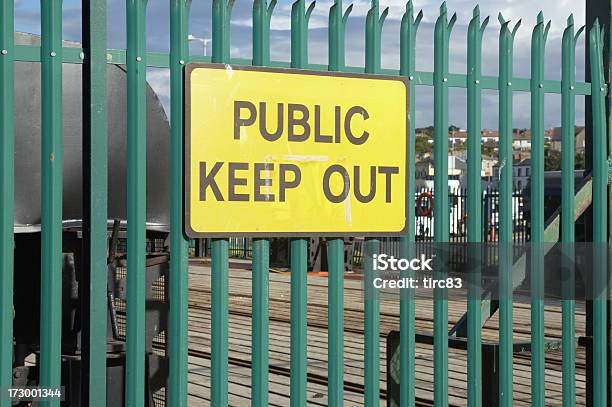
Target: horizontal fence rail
[[31, 53], [475, 215]]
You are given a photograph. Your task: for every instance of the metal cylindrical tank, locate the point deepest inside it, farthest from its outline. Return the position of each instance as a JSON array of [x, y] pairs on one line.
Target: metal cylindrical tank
[[28, 144]]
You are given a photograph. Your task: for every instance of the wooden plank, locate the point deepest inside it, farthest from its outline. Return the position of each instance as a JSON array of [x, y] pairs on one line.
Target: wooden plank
[[240, 343]]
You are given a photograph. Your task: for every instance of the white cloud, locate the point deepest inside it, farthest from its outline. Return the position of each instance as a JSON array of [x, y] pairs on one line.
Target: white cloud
[[159, 80], [28, 19]]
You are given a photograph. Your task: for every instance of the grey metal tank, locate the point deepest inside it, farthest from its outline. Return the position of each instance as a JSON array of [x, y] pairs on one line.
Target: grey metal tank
[[27, 146]]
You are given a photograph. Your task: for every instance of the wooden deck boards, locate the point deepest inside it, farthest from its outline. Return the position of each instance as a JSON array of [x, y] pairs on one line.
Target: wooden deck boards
[[240, 343]]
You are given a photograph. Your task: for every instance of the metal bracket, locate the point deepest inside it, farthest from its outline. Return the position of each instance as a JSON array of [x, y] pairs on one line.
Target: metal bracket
[[610, 170]]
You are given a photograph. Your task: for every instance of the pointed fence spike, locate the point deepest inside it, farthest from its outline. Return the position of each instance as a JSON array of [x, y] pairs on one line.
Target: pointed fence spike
[[418, 19], [474, 20], [484, 25], [580, 31], [271, 7], [383, 17], [451, 23], [546, 30], [347, 13], [310, 9], [516, 27], [334, 8]]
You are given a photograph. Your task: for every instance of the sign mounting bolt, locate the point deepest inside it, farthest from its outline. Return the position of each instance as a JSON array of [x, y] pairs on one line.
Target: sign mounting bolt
[[476, 81], [445, 80], [182, 62], [509, 83], [53, 53], [411, 77], [4, 52], [138, 59]]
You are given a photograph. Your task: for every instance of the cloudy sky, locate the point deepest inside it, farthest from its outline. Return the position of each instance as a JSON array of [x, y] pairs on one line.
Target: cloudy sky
[[27, 14]]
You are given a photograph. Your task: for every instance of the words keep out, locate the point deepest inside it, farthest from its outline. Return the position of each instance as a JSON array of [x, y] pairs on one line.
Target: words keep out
[[261, 178]]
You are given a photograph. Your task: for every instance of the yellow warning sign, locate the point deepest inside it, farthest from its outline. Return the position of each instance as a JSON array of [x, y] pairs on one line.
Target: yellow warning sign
[[287, 152]]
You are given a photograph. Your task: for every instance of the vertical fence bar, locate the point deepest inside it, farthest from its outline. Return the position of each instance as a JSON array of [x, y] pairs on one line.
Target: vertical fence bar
[[7, 193], [371, 327], [335, 247], [299, 247], [442, 33], [335, 351], [259, 369], [136, 201], [299, 326], [600, 180], [219, 321], [52, 188], [179, 272], [374, 25], [95, 183], [568, 112], [221, 14], [538, 43], [408, 32], [608, 101], [474, 204], [262, 14], [506, 44]]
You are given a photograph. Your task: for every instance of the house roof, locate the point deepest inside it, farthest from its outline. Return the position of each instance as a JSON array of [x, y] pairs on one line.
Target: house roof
[[523, 163], [557, 132]]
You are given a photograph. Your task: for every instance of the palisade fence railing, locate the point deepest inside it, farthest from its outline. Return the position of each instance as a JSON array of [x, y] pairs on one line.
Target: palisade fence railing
[[94, 55]]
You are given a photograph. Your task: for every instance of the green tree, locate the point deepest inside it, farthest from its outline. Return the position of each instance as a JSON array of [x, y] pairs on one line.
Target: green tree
[[422, 146], [552, 160], [425, 130], [579, 161], [460, 147]]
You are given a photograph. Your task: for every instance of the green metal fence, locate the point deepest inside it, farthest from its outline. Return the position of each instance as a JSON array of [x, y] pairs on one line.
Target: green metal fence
[[95, 56]]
